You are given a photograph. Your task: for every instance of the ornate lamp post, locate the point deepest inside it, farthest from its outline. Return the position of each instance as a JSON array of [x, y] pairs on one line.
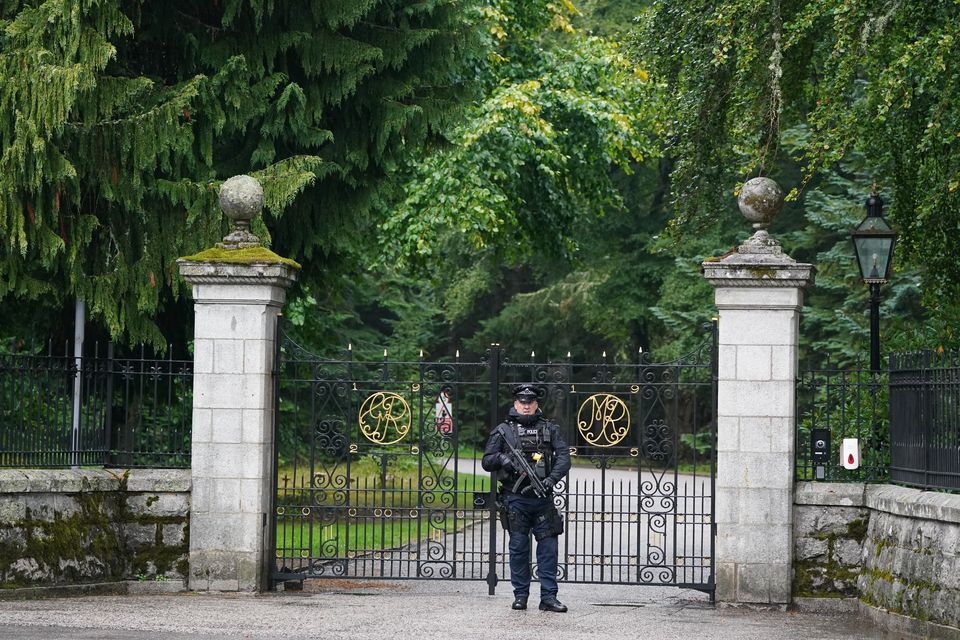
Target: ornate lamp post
[[873, 242]]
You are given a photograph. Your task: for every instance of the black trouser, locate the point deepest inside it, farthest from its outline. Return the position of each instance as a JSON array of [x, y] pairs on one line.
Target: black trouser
[[531, 515]]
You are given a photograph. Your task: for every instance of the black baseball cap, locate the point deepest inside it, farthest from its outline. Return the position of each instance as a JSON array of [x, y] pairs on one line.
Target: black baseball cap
[[526, 391]]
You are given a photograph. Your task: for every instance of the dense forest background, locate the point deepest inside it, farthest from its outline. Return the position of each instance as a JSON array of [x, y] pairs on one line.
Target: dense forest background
[[546, 175]]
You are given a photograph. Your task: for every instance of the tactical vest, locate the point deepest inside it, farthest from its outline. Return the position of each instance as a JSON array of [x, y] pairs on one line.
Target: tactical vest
[[532, 439]]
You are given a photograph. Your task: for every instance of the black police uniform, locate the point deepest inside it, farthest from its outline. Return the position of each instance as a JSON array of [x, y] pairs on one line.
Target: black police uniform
[[526, 512]]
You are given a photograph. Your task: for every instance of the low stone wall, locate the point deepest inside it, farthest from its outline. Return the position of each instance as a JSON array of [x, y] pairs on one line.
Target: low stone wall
[[894, 548], [60, 527], [829, 525], [912, 554]]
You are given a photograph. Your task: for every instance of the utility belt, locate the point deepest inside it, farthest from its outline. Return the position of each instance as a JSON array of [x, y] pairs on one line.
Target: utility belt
[[545, 525]]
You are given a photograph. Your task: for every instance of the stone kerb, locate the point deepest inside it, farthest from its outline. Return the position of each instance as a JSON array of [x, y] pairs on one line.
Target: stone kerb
[[238, 289], [759, 294]]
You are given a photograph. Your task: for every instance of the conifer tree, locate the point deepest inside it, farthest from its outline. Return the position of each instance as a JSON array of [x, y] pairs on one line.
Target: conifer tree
[[119, 120], [865, 77]]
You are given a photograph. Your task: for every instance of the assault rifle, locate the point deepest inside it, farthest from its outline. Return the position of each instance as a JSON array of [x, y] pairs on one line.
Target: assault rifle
[[519, 462]]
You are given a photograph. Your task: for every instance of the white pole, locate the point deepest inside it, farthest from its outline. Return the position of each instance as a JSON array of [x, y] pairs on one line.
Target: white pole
[[79, 322]]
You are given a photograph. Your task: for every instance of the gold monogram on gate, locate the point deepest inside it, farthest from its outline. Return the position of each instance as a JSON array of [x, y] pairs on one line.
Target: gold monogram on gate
[[385, 418], [603, 420]]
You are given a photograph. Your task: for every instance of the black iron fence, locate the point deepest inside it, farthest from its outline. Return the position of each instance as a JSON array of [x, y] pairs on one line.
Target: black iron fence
[[906, 420], [128, 410], [842, 404], [925, 419]]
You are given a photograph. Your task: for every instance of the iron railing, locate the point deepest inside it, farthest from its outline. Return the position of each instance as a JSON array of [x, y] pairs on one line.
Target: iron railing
[[132, 410], [925, 419], [848, 404]]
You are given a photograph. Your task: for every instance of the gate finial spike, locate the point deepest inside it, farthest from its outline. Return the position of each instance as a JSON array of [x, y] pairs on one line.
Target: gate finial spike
[[384, 353], [532, 354], [458, 353], [604, 354], [349, 346], [421, 353], [568, 354]]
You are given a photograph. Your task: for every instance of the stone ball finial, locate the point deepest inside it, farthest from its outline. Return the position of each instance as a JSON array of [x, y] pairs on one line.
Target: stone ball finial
[[241, 199], [760, 200]]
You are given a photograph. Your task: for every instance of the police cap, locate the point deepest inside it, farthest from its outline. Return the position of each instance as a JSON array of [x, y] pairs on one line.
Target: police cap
[[526, 391]]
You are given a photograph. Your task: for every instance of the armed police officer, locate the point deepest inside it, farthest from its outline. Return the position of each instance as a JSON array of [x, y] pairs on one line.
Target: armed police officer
[[531, 456]]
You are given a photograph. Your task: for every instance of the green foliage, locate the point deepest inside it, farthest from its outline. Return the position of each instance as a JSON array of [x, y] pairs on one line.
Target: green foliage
[[372, 311], [849, 404], [835, 321], [550, 321], [119, 122], [538, 218], [532, 226], [534, 158], [685, 302], [701, 443], [613, 18], [603, 301], [868, 77]]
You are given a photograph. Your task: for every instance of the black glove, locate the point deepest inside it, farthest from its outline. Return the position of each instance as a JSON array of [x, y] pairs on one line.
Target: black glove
[[527, 491], [506, 465]]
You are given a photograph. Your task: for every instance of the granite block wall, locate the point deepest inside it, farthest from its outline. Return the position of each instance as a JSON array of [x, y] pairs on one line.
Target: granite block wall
[[65, 527], [894, 548]]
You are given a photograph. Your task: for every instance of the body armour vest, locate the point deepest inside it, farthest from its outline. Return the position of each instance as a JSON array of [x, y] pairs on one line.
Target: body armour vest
[[535, 438]]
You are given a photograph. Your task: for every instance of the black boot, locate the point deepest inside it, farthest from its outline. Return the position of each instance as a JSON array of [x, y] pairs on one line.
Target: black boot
[[519, 603], [550, 603]]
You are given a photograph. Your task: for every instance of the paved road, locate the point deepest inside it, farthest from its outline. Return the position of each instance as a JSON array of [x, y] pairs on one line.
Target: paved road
[[416, 609]]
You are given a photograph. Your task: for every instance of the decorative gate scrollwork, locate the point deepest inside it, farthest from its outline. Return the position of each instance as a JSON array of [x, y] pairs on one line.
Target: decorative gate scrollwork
[[379, 467]]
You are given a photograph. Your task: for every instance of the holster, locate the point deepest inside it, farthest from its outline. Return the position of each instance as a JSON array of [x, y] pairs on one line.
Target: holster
[[554, 525], [503, 515]]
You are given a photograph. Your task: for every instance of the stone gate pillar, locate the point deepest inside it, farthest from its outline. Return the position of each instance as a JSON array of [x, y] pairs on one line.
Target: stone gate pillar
[[238, 291], [759, 294]]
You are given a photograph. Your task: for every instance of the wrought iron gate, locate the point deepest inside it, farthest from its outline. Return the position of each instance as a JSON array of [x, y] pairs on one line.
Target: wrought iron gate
[[379, 466]]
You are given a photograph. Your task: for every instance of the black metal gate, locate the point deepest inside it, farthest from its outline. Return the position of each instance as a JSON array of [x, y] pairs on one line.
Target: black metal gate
[[379, 466]]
